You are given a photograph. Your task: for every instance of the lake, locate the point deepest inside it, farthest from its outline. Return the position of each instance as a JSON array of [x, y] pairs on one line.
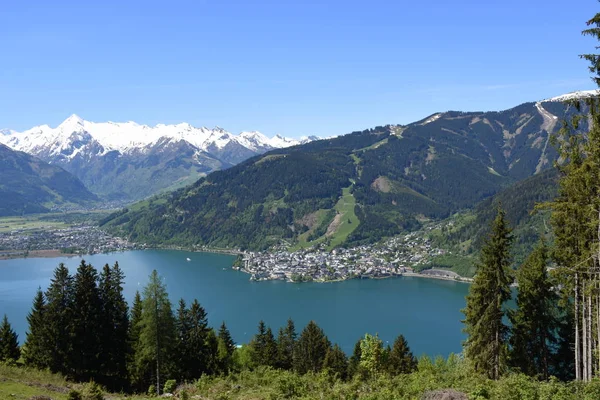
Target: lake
[[425, 311]]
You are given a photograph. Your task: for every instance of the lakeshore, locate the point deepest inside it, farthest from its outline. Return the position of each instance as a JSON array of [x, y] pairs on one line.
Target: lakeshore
[[230, 296]]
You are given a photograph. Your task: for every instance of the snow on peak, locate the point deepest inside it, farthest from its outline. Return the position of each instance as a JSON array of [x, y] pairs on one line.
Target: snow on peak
[[580, 94], [130, 136]]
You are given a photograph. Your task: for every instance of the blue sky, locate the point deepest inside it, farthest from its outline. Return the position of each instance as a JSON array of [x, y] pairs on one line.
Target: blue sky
[[290, 67]]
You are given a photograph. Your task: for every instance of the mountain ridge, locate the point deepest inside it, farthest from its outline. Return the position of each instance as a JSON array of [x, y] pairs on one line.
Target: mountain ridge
[[355, 188], [128, 161]]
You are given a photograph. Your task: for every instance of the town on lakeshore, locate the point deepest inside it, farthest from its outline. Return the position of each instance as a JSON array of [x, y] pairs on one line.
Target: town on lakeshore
[[398, 256], [404, 255]]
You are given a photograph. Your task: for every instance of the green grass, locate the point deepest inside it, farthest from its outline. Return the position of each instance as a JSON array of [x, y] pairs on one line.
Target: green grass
[[30, 223], [349, 220], [303, 241]]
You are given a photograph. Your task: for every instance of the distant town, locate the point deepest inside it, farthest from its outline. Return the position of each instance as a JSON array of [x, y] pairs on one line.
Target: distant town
[[82, 239], [398, 256], [404, 255]]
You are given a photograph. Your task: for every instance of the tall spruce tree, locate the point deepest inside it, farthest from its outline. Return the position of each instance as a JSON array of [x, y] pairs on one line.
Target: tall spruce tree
[[311, 349], [575, 220], [486, 344], [182, 329], [264, 346], [354, 361], [199, 347], [534, 322], [400, 359], [115, 327], [87, 324], [155, 349], [59, 321], [36, 342], [286, 341], [136, 375], [336, 362], [9, 342], [226, 349]]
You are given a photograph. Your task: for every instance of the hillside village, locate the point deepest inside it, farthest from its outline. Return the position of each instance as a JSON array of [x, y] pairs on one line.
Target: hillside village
[[401, 255]]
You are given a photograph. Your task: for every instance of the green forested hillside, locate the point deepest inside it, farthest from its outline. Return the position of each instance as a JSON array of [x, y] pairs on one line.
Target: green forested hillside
[[29, 185], [466, 231], [395, 176]]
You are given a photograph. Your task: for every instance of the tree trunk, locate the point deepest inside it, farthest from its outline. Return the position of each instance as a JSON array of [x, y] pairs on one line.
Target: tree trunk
[[577, 348], [584, 332], [589, 330]]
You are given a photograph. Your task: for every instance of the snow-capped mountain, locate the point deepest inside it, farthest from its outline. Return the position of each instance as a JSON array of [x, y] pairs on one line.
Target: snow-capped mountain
[[128, 160], [580, 94]]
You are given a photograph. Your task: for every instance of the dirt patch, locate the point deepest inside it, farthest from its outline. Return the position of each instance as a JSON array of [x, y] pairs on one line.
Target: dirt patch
[[333, 226], [447, 394], [309, 220], [382, 184]]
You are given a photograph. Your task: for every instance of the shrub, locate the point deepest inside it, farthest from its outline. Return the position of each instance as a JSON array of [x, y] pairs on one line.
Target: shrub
[[152, 390], [183, 395], [74, 395], [92, 391], [170, 386]]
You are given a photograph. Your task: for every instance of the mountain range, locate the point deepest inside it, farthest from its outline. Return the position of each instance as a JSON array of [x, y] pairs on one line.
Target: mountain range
[[129, 161], [359, 187], [29, 185]]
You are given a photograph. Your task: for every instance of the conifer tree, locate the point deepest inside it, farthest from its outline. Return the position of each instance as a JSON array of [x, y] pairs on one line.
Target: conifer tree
[[311, 349], [135, 374], [115, 327], [59, 321], [336, 362], [400, 359], [211, 353], [87, 324], [286, 340], [200, 349], [157, 332], [486, 344], [575, 220], [534, 325], [9, 342], [354, 361], [226, 348], [36, 342], [264, 346], [182, 329]]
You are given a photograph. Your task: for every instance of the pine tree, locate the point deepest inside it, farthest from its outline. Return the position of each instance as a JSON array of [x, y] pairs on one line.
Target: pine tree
[[135, 374], [486, 344], [226, 349], [264, 346], [115, 328], [534, 325], [354, 361], [36, 343], [182, 329], [157, 333], [336, 363], [286, 341], [211, 353], [201, 352], [400, 359], [87, 324], [311, 349], [575, 220], [59, 321], [9, 342]]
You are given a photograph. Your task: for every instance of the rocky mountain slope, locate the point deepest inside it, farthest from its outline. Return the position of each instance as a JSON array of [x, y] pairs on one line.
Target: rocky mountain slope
[[355, 188], [29, 185], [131, 161]]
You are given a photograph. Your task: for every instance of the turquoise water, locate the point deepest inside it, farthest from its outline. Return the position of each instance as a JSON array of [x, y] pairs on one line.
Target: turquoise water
[[425, 311]]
